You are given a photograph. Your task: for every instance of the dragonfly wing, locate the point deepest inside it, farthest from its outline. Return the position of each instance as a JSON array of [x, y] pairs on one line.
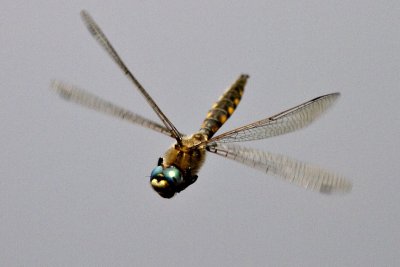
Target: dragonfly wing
[[101, 38], [284, 122], [79, 96], [297, 172]]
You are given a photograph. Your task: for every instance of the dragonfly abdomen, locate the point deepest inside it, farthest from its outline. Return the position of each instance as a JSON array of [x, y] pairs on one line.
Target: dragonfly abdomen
[[224, 107]]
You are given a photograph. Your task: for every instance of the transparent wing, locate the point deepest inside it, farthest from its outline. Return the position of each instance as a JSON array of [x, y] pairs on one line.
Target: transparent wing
[[284, 122], [299, 173], [79, 96], [98, 34]]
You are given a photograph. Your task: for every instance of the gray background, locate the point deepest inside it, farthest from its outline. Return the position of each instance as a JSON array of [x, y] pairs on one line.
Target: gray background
[[74, 186]]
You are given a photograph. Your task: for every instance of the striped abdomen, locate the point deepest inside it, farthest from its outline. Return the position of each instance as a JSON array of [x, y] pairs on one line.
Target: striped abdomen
[[224, 107]]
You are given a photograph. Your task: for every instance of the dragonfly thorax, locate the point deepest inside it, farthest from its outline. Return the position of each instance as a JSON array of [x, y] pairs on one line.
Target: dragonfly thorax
[[179, 167], [191, 142]]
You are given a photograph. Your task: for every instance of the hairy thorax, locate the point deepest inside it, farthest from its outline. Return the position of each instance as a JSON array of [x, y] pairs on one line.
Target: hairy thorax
[[189, 156]]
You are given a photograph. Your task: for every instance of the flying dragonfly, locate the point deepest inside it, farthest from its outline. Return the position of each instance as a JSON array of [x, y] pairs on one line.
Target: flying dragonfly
[[179, 166]]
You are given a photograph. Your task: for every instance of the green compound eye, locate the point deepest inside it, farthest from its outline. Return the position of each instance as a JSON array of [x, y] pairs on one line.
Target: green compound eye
[[156, 172], [173, 175], [166, 181]]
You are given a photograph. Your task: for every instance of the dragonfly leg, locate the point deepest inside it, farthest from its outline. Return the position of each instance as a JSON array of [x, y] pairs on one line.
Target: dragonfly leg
[[189, 179], [192, 178]]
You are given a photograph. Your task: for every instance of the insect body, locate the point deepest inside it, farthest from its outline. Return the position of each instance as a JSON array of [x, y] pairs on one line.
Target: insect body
[[181, 162]]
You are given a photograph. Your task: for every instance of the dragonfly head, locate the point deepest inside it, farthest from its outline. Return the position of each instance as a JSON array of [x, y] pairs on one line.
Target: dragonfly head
[[166, 181]]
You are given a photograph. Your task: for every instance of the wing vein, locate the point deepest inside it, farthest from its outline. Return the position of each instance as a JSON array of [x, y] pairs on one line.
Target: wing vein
[[285, 122], [300, 173], [79, 96]]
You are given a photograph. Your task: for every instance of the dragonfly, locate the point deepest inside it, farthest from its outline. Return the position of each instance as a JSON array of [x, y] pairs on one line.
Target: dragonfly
[[178, 167]]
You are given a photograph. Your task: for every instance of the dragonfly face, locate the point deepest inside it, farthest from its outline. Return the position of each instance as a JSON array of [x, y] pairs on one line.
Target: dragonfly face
[[166, 181]]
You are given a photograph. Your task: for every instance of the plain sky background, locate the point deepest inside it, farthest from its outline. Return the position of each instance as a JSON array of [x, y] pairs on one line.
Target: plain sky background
[[74, 186]]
